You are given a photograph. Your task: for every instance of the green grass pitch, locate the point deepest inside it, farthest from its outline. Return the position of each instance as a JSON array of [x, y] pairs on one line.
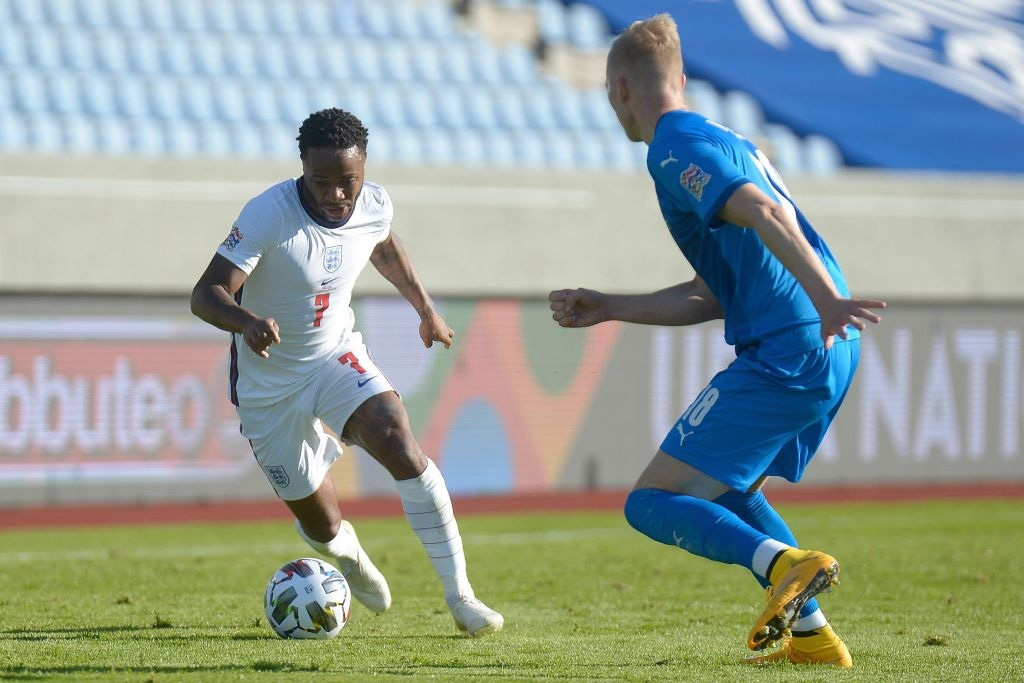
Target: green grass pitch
[[929, 592]]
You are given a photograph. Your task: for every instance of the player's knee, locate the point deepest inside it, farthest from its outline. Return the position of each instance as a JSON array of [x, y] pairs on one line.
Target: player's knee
[[637, 508]]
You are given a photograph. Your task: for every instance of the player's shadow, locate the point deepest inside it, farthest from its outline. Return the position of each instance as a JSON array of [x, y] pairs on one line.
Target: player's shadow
[[97, 632], [20, 672]]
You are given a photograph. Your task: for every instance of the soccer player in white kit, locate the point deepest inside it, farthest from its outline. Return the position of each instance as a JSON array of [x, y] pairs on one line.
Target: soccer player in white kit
[[281, 283]]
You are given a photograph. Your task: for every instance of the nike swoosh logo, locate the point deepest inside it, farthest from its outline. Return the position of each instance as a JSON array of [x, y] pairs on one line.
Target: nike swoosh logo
[[359, 384], [327, 282]]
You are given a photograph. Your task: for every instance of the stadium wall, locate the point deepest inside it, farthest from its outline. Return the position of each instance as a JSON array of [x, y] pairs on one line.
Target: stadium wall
[[111, 392]]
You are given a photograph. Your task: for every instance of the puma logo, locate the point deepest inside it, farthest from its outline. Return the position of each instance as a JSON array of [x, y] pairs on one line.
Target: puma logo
[[668, 160], [682, 434]]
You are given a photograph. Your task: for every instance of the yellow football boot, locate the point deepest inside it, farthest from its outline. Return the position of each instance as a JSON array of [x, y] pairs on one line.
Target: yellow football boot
[[820, 646], [798, 575]]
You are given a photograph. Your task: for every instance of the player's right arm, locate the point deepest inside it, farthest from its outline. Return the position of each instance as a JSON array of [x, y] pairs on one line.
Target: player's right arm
[[213, 300], [688, 303]]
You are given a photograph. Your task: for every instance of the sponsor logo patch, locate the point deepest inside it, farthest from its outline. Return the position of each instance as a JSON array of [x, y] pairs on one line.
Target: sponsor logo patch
[[332, 258], [233, 238], [278, 475], [694, 179]]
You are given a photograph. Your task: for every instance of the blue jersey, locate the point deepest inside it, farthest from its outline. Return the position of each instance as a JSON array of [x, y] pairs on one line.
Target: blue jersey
[[696, 165]]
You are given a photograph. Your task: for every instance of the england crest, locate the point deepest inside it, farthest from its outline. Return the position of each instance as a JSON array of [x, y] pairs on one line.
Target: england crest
[[332, 258], [278, 475]]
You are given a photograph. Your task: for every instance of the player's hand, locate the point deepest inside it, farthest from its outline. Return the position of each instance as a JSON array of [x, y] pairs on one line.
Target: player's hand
[[433, 328], [578, 307], [839, 313], [260, 334]]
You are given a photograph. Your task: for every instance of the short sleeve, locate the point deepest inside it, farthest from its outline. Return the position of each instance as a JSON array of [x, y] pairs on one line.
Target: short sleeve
[[385, 209], [253, 233], [696, 173]]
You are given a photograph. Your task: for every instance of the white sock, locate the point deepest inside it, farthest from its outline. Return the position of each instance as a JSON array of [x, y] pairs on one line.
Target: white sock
[[815, 619], [428, 507], [344, 545], [764, 554]]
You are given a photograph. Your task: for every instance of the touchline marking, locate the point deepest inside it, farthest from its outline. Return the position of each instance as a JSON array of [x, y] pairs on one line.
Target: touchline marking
[[144, 553]]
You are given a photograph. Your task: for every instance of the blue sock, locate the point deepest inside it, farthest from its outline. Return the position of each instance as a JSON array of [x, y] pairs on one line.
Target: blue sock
[[755, 510], [698, 526]]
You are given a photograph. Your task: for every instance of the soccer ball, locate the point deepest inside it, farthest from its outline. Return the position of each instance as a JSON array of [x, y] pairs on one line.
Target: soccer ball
[[307, 598]]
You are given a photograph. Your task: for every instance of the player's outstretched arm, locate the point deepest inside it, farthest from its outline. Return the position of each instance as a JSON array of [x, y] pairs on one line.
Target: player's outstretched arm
[[391, 260], [748, 206], [687, 303], [213, 300]]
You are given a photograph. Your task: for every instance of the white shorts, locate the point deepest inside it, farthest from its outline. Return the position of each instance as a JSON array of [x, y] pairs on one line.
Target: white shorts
[[294, 441]]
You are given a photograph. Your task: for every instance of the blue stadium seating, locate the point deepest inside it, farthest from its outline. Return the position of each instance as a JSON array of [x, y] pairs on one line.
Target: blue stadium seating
[[219, 78]]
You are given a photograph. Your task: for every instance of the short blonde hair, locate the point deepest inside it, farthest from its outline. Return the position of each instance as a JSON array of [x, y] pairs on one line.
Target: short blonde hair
[[649, 48]]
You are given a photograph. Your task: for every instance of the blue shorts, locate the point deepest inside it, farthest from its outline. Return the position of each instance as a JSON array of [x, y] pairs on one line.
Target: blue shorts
[[765, 414]]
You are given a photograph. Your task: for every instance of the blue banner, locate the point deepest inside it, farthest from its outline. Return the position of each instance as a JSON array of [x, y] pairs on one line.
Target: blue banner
[[901, 84]]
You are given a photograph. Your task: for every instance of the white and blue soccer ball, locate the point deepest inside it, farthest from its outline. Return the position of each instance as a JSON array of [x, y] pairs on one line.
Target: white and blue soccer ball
[[308, 598]]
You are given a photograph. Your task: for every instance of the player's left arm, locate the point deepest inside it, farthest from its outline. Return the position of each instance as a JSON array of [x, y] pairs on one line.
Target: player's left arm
[[392, 261], [749, 207]]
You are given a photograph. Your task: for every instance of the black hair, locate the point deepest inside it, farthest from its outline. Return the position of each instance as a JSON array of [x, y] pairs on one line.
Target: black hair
[[332, 128]]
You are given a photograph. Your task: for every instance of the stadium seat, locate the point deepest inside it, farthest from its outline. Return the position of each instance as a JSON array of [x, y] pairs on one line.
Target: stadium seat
[[427, 60], [551, 21], [189, 16], [97, 92], [406, 147], [254, 19], [94, 14], [246, 142], [197, 101], [111, 52], [388, 108], [230, 103], [144, 56], [165, 100], [292, 104], [131, 97], [821, 155], [439, 147], [702, 97], [783, 148], [241, 61], [58, 13], [76, 51], [586, 27], [28, 94], [500, 149], [221, 18], [78, 135], [157, 15], [437, 22], [127, 15], [420, 111], [284, 18], [315, 20], [451, 108], [13, 133], [44, 134], [487, 64], [742, 113], [271, 60], [13, 50], [147, 138], [182, 139], [540, 108], [480, 109], [63, 94], [396, 62], [209, 60], [214, 140], [279, 141], [113, 137], [510, 109], [366, 62], [518, 64], [459, 64], [559, 151], [303, 60], [44, 49], [261, 103], [28, 12], [529, 149], [569, 110]]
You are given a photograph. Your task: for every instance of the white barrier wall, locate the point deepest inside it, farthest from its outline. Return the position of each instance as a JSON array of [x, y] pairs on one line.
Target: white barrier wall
[[135, 226]]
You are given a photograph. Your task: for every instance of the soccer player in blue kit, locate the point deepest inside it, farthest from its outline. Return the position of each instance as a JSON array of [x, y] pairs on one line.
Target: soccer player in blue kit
[[761, 266]]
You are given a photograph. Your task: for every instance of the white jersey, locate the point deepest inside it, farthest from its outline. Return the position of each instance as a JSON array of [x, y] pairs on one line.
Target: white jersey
[[301, 274]]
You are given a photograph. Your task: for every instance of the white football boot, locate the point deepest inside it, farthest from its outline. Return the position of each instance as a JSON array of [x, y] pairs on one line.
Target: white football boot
[[367, 583], [474, 617]]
